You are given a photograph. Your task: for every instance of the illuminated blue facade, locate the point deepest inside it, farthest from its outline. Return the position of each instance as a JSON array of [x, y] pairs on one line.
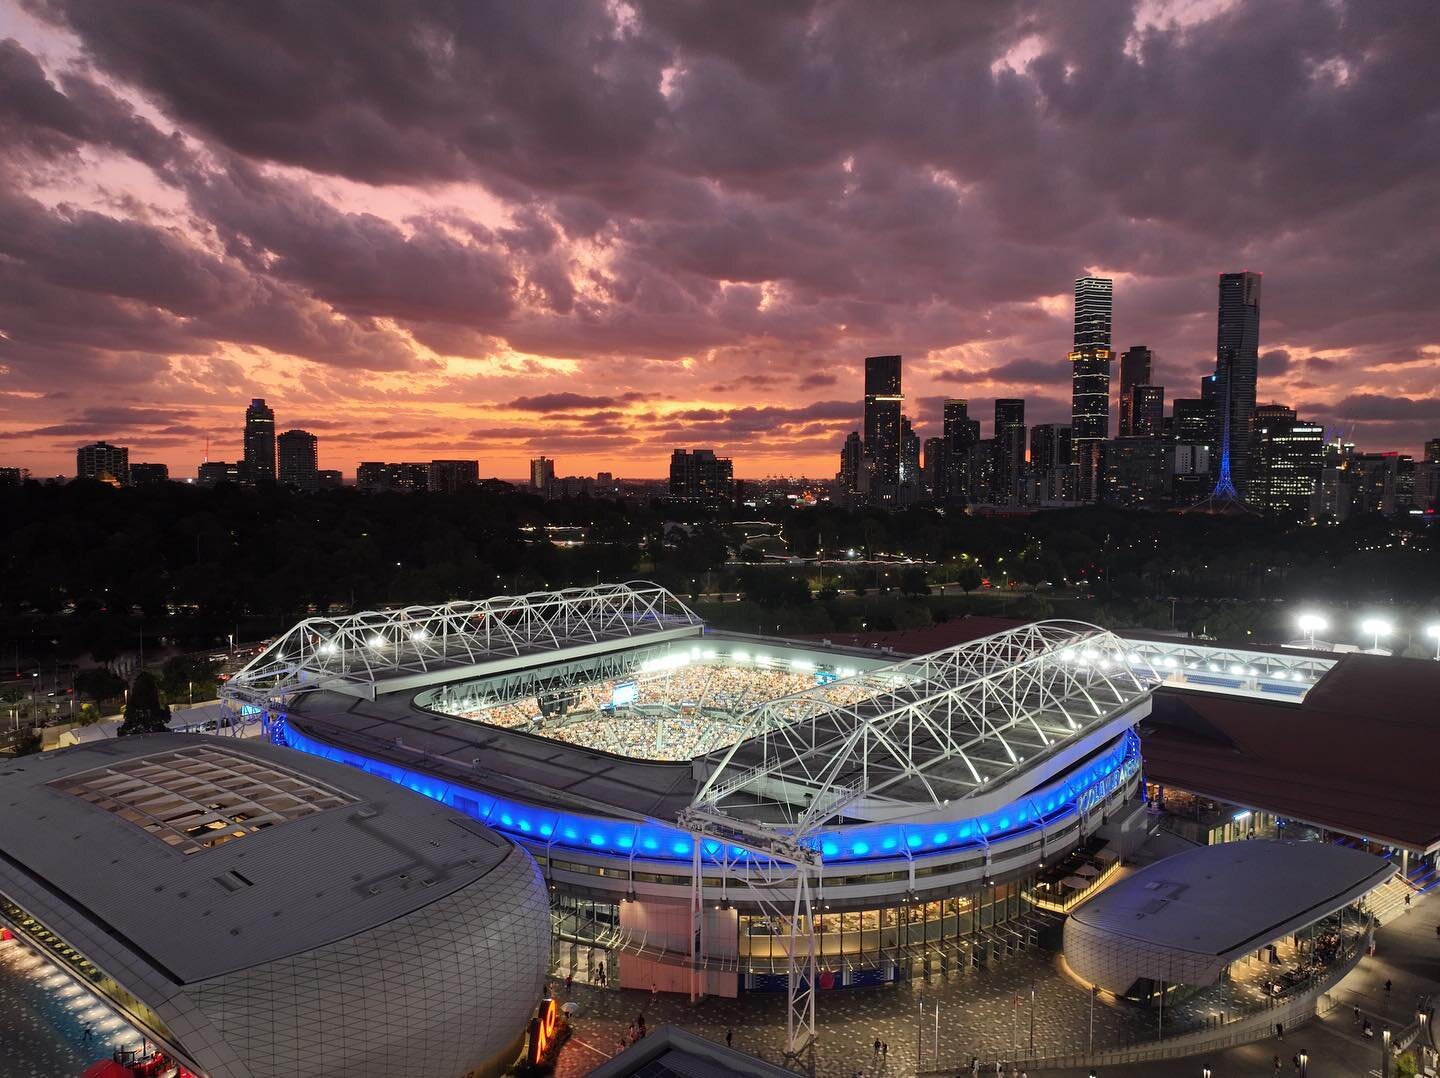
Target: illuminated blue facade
[[1090, 783]]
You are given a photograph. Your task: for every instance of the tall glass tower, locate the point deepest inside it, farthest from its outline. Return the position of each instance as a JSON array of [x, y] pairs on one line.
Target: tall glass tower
[[1237, 362], [1090, 375], [883, 401], [259, 441]]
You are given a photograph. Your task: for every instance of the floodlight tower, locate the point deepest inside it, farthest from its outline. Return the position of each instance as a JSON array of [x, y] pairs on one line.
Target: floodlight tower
[[1310, 624], [1376, 628]]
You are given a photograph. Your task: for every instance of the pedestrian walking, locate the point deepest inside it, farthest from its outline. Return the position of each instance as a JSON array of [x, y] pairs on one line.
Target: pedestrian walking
[[1407, 900], [569, 981], [884, 1050], [877, 1046], [974, 1067], [1387, 986], [1277, 1064], [1280, 1031], [729, 1037]]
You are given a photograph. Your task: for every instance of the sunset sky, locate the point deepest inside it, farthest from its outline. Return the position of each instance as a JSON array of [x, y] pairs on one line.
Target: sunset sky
[[599, 231]]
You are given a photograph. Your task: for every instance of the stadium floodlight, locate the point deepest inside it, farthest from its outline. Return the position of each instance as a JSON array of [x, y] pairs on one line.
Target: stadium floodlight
[[419, 636], [1376, 627], [1310, 624], [1434, 630]]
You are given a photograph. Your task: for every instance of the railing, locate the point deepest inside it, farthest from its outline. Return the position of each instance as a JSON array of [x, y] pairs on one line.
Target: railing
[[1079, 896], [1207, 1036]]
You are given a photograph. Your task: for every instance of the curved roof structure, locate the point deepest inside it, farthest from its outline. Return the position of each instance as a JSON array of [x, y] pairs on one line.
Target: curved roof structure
[[968, 724], [379, 651], [253, 897], [1184, 918]]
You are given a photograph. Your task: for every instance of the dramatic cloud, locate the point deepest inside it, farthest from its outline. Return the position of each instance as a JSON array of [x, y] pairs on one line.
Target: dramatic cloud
[[670, 221]]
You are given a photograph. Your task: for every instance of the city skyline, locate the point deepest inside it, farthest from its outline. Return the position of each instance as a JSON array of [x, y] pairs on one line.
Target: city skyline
[[655, 262]]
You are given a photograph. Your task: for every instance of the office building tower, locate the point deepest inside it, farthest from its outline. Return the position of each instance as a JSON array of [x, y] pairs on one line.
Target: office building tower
[[298, 452], [1427, 476], [214, 472], [852, 481], [909, 452], [980, 470], [104, 462], [374, 475], [1136, 365], [1237, 359], [146, 475], [883, 402], [1287, 457], [1137, 472], [542, 476], [259, 459], [702, 477], [935, 468], [449, 476], [1009, 450], [1090, 378], [1147, 411], [1193, 420], [961, 434], [1051, 469]]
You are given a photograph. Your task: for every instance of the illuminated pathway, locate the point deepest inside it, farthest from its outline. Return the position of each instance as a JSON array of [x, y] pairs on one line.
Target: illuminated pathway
[[43, 1017]]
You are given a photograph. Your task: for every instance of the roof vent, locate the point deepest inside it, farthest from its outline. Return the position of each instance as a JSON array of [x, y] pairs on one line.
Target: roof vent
[[233, 881]]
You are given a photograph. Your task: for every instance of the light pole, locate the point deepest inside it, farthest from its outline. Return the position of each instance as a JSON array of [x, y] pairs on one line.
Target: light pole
[[1434, 631], [1376, 627], [1090, 1050], [1310, 624], [1385, 1059]]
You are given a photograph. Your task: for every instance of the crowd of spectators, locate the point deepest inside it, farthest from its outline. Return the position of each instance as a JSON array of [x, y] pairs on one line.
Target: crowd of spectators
[[676, 714]]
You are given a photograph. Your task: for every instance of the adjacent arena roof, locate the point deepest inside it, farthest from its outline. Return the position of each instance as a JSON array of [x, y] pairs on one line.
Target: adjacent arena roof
[[1355, 756], [274, 908]]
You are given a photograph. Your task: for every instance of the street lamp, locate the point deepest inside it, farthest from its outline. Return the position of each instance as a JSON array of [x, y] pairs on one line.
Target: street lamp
[[1434, 630], [1304, 1058], [1310, 624], [1376, 627], [1204, 1072]]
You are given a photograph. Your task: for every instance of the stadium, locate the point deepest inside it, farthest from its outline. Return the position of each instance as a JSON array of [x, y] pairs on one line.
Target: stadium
[[720, 812]]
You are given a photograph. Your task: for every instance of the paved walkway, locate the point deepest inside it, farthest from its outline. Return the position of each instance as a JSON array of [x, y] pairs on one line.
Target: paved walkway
[[976, 1011]]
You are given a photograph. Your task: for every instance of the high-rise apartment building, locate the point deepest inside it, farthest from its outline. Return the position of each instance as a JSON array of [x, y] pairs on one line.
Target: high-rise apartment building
[[1051, 467], [104, 462], [1090, 377], [883, 403], [542, 476], [935, 467], [961, 433], [1136, 369], [1287, 457], [701, 476], [213, 472], [1237, 360], [852, 481], [1427, 476], [298, 452], [1009, 450], [449, 476], [259, 459]]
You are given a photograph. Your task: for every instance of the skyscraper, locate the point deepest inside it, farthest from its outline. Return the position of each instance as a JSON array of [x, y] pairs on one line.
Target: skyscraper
[[1287, 457], [851, 480], [1009, 450], [1147, 411], [1090, 377], [1050, 463], [960, 433], [883, 401], [1135, 370], [1194, 418], [909, 452], [299, 455], [104, 462], [259, 458], [1237, 360]]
